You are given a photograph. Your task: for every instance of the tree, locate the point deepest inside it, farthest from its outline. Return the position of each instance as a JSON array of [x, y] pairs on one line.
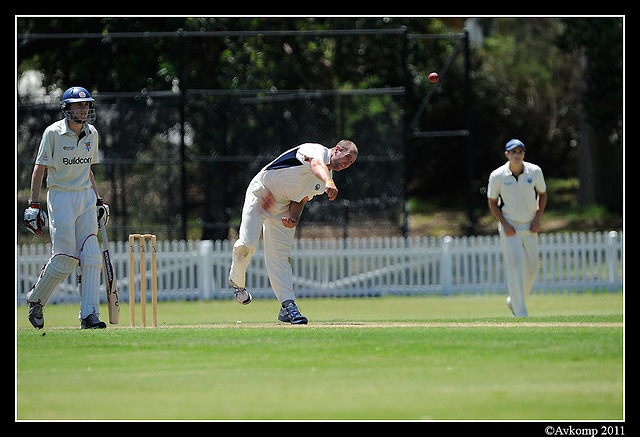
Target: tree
[[599, 43], [522, 85]]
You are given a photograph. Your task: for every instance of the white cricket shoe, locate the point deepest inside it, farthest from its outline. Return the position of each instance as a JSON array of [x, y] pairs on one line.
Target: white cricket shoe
[[240, 293]]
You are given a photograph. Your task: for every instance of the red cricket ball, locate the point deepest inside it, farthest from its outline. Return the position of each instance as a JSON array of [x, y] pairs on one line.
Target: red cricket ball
[[433, 77]]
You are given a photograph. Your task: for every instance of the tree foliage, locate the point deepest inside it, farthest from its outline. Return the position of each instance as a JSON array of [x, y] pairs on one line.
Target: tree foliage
[[525, 81], [600, 44]]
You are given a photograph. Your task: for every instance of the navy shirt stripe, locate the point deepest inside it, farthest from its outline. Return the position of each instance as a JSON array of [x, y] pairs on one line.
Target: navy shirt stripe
[[285, 160]]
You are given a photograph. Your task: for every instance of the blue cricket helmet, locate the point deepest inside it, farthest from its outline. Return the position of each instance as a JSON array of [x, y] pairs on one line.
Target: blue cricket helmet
[[73, 95]]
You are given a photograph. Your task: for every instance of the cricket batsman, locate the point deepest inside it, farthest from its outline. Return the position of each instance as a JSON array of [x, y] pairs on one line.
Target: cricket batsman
[[67, 150], [273, 204]]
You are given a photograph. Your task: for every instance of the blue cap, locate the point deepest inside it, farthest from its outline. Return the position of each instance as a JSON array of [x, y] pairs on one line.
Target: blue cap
[[513, 144]]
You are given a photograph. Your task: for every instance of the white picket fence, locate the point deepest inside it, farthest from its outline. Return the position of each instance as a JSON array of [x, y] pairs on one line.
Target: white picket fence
[[191, 270]]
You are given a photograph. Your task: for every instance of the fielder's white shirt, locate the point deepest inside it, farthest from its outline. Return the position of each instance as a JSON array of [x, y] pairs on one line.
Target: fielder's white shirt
[[289, 177], [518, 195], [68, 157]]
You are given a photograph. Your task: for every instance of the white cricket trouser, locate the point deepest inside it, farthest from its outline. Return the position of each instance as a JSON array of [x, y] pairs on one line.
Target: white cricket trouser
[[73, 226], [520, 253], [277, 238]]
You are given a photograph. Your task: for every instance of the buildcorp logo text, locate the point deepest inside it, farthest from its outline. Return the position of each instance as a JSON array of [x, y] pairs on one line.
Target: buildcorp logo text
[[76, 161]]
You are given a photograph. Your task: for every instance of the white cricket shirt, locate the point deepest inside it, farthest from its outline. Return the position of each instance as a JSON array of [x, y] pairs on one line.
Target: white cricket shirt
[[68, 157], [289, 177], [518, 194]]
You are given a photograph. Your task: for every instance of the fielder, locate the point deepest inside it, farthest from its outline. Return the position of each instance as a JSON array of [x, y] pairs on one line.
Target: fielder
[[67, 150], [517, 196], [273, 204]]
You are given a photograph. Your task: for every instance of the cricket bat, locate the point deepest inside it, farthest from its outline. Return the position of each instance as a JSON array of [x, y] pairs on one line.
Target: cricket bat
[[110, 281]]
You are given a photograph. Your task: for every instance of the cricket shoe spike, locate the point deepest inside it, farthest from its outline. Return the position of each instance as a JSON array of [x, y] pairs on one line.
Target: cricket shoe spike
[[290, 313], [240, 293], [92, 322]]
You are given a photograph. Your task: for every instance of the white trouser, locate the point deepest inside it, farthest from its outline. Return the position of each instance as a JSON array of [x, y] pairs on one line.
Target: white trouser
[[520, 253], [278, 241], [73, 227]]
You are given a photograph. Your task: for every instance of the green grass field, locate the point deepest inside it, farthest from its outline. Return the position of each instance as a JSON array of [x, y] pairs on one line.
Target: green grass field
[[389, 358]]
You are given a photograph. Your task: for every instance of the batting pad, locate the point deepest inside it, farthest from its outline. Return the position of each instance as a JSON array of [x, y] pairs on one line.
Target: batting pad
[[91, 266], [57, 269], [90, 254]]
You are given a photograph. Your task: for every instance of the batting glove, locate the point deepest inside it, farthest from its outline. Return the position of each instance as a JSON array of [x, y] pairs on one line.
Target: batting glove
[[103, 211], [35, 219]]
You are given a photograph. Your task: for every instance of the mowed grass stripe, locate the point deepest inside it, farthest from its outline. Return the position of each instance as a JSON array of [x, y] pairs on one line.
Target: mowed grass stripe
[[334, 371]]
